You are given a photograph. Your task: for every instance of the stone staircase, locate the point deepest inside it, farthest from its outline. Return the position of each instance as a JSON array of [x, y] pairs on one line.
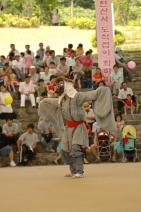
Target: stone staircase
[[135, 120]]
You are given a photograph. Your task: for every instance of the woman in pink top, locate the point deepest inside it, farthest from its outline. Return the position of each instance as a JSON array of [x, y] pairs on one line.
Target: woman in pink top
[[28, 61], [87, 60]]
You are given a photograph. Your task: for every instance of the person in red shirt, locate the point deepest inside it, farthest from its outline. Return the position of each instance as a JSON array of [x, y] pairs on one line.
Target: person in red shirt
[[87, 60], [129, 104], [51, 87], [97, 77]]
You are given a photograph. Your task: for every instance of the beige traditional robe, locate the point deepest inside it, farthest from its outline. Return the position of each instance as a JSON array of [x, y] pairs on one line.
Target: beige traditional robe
[[71, 109]]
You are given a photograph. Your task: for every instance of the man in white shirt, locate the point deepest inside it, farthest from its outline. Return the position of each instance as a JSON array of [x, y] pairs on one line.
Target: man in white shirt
[[17, 66], [63, 68], [117, 79], [13, 49], [123, 95], [27, 90]]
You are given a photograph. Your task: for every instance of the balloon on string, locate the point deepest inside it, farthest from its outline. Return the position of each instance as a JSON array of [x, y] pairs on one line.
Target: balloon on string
[[8, 100], [131, 65]]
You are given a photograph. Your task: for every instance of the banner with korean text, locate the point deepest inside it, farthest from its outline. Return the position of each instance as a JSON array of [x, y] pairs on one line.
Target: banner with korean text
[[105, 41]]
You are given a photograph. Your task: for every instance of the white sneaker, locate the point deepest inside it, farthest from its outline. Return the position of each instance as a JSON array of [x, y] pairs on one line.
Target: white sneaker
[[78, 176], [12, 163]]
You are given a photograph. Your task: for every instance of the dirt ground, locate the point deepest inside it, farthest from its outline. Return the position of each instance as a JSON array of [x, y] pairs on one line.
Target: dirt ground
[[105, 188]]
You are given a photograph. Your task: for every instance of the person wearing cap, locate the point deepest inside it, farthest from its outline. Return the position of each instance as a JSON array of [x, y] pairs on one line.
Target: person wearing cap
[[27, 90]]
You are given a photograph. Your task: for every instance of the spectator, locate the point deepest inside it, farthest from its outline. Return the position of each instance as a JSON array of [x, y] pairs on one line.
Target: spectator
[[97, 78], [13, 50], [6, 150], [65, 52], [26, 144], [6, 110], [56, 18], [4, 73], [52, 58], [39, 64], [79, 50], [45, 75], [59, 156], [41, 51], [34, 76], [117, 79], [119, 126], [51, 87], [11, 57], [10, 131], [41, 91], [89, 114], [70, 49], [122, 63], [129, 105], [27, 90], [77, 72], [45, 129], [46, 56], [17, 67], [28, 61], [2, 61], [10, 80], [27, 47], [71, 61], [122, 96], [52, 68], [138, 103], [63, 68], [87, 60], [22, 60]]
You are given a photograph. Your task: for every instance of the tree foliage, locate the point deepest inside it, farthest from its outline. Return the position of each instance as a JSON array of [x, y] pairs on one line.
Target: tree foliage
[[126, 11]]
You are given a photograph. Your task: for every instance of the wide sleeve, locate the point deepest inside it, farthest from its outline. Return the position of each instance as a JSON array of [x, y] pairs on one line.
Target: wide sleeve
[[86, 96], [49, 111], [103, 106]]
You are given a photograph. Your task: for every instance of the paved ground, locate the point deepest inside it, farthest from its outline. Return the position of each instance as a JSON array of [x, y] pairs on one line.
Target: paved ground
[[106, 188]]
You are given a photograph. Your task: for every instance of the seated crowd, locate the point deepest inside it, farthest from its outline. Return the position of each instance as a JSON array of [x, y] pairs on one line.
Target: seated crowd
[[32, 77]]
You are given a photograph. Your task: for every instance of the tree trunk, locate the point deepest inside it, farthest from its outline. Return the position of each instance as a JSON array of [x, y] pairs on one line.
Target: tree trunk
[[72, 8]]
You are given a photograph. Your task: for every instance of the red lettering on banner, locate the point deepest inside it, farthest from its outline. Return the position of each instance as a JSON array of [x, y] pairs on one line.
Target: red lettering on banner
[[104, 19], [106, 52], [105, 36], [103, 3], [105, 43], [104, 11], [106, 62]]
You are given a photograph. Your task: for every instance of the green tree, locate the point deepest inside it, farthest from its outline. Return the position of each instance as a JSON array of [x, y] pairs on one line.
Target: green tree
[[47, 7], [122, 11]]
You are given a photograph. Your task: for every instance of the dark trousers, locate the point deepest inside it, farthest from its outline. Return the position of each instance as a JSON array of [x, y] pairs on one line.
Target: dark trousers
[[26, 154], [10, 140], [74, 159]]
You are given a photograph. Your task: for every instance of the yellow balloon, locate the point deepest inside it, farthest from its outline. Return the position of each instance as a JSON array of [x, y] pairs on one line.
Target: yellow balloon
[[8, 100]]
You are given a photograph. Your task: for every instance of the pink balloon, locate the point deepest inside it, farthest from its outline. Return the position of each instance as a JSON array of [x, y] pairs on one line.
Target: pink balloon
[[131, 65]]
